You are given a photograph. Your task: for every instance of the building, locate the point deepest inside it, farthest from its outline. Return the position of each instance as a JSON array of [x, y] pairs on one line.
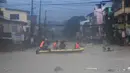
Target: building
[[89, 27], [12, 22], [96, 21], [122, 13], [92, 26], [122, 17]]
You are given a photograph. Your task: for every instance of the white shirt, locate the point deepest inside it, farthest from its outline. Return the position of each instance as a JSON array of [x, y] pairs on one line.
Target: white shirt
[[22, 37], [123, 34]]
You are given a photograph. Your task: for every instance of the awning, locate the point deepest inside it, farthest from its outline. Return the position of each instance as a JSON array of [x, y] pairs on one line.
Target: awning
[[121, 11]]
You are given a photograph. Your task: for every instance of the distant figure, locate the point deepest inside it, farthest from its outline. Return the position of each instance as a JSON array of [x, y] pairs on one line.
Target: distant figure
[[123, 37], [128, 35], [32, 40]]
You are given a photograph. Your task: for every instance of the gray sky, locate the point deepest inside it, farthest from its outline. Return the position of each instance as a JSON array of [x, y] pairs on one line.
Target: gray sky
[[55, 12]]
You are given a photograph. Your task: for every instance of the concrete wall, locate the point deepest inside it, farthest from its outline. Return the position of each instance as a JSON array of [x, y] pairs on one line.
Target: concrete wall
[[7, 28], [14, 27]]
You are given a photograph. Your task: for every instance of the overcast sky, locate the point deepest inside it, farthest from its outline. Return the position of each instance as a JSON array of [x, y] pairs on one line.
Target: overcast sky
[[55, 12]]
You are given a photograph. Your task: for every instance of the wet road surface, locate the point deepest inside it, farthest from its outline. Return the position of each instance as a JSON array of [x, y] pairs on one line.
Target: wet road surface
[[92, 60]]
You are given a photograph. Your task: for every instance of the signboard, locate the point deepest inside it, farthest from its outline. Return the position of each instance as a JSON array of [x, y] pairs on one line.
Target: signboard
[[99, 16]]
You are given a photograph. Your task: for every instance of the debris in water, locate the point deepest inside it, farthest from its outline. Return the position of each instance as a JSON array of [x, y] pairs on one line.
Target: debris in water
[[128, 68], [111, 70], [91, 68], [124, 69], [58, 68]]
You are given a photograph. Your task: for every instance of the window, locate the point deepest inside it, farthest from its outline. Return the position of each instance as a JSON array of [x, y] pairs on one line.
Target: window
[[27, 29], [127, 3], [14, 28], [14, 16]]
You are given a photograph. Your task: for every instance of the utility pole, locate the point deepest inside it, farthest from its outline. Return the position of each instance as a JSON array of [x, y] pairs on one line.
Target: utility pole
[[125, 15], [45, 33], [40, 18], [45, 18], [32, 26]]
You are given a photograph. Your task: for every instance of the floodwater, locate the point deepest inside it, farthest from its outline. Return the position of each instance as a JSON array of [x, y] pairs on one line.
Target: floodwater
[[92, 60]]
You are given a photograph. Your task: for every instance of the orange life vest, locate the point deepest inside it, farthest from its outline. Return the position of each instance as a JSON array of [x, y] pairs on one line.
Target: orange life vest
[[77, 46], [42, 43], [54, 45]]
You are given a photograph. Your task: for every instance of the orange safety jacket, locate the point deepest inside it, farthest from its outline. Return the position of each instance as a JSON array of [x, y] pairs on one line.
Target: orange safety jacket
[[54, 45], [77, 46], [42, 43]]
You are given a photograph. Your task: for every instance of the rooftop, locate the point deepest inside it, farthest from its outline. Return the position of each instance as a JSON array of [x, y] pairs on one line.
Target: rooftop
[[91, 14], [18, 10]]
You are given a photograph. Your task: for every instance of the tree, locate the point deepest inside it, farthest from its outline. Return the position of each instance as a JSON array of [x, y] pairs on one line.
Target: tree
[[73, 25], [3, 1]]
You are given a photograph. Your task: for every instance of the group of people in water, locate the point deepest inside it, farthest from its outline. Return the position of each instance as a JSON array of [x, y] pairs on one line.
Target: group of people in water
[[56, 45]]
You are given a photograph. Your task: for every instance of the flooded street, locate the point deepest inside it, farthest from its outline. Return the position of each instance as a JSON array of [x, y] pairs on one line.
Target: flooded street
[[91, 25], [92, 60]]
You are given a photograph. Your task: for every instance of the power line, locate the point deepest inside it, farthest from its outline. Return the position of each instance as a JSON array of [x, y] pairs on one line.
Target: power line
[[45, 5], [65, 8], [48, 5], [18, 4], [81, 3]]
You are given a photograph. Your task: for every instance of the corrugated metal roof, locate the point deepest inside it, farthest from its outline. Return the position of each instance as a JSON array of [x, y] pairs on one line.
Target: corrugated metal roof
[[18, 10]]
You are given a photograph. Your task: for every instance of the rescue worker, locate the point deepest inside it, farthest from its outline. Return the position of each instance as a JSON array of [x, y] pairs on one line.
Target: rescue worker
[[62, 45], [44, 44], [77, 45], [55, 44]]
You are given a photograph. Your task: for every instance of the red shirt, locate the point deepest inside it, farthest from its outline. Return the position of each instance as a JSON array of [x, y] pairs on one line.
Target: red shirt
[[54, 45], [77, 46], [42, 43]]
